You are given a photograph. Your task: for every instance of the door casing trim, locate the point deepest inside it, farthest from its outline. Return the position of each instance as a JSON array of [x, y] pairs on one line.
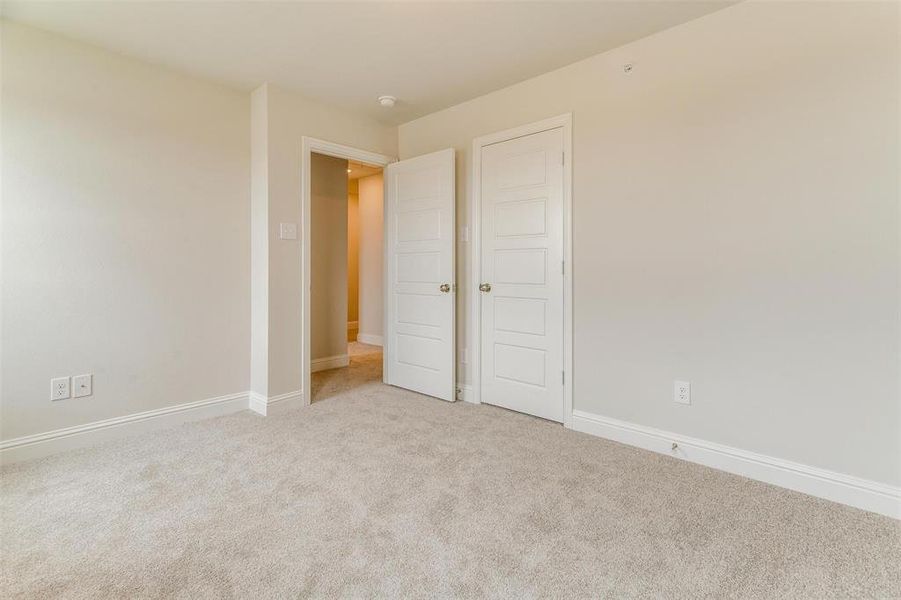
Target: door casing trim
[[563, 121]]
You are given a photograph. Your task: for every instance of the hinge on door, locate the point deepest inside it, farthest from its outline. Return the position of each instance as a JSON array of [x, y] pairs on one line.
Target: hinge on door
[[563, 377], [563, 158], [563, 267]]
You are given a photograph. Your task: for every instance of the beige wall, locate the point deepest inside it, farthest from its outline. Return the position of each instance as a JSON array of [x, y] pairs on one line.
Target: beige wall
[[371, 253], [277, 275], [259, 242], [353, 251], [125, 234], [736, 225], [328, 256]]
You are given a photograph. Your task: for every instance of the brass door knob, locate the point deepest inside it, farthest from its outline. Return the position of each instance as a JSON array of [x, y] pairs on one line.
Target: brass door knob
[[445, 287], [485, 287]]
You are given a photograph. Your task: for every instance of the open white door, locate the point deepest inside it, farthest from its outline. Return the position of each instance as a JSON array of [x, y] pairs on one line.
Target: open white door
[[420, 275]]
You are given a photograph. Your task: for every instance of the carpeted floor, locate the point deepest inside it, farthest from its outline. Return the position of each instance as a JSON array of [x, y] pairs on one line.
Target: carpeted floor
[[376, 491], [365, 369]]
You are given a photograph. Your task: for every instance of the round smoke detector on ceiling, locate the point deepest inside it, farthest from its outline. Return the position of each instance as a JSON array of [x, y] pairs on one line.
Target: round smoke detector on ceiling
[[387, 101]]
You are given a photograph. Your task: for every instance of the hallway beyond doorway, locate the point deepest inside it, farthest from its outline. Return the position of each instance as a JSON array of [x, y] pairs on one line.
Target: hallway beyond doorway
[[365, 369]]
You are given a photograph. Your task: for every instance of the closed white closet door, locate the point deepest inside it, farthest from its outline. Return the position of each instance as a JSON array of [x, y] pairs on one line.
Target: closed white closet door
[[420, 288], [522, 274]]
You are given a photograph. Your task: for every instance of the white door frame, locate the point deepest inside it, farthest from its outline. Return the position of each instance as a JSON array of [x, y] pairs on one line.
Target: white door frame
[[308, 146], [475, 216]]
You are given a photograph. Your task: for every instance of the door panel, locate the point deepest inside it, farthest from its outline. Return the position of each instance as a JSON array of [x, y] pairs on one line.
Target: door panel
[[419, 316], [522, 260]]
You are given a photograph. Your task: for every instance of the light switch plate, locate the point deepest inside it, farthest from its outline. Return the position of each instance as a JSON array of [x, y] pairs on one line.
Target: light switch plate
[[287, 231], [83, 385], [59, 388]]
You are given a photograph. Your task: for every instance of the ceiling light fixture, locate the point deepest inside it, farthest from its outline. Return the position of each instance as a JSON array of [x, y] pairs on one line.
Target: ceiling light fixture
[[387, 101], [348, 170]]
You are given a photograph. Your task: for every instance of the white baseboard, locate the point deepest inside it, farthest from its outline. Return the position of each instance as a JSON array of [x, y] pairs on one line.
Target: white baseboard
[[368, 338], [80, 436], [274, 404], [465, 393], [329, 362], [861, 493]]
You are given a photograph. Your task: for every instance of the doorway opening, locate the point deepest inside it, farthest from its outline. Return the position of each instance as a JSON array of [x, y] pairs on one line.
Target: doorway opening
[[346, 275], [418, 287]]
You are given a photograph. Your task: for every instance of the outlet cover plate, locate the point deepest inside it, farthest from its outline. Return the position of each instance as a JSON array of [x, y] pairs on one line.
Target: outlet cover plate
[[682, 392], [59, 388], [83, 385]]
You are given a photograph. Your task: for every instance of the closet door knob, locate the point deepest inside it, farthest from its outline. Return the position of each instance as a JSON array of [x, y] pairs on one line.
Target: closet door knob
[[445, 287], [485, 287]]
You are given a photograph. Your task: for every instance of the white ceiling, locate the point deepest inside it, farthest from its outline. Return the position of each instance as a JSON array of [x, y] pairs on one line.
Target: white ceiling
[[357, 170], [429, 55]]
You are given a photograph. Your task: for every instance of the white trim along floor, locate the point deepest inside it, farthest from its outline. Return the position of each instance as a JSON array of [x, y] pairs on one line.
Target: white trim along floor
[[377, 491]]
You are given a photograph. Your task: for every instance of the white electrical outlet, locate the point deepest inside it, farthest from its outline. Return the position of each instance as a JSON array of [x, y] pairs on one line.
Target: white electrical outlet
[[682, 392], [59, 388], [83, 385]]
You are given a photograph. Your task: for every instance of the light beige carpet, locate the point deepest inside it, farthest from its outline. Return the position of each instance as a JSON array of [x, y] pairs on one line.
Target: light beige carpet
[[379, 492]]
